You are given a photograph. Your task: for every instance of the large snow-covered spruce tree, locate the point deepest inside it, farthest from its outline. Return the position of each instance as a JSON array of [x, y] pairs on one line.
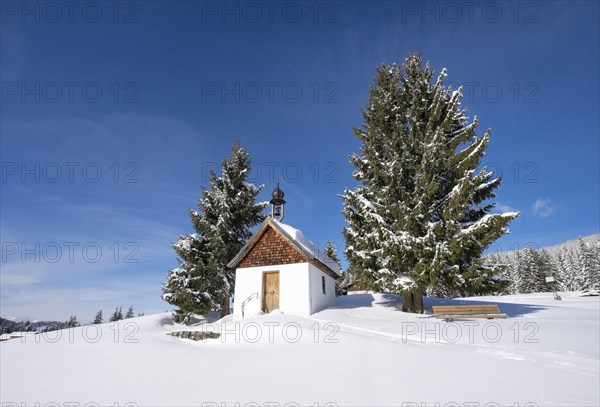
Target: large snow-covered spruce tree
[[227, 212], [420, 216]]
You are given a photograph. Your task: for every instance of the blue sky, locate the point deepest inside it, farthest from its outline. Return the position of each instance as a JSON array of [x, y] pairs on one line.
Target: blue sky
[[111, 117]]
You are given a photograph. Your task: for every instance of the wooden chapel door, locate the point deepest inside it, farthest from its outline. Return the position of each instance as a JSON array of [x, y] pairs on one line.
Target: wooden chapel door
[[270, 291]]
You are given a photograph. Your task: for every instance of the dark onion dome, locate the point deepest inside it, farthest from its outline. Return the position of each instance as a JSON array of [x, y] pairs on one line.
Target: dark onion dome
[[277, 196]]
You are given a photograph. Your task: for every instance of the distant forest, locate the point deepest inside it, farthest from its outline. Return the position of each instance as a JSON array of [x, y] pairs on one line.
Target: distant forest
[[575, 266], [8, 326]]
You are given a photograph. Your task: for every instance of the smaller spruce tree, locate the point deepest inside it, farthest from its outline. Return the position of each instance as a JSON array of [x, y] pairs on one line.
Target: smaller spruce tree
[[98, 318], [117, 315], [72, 322], [340, 283]]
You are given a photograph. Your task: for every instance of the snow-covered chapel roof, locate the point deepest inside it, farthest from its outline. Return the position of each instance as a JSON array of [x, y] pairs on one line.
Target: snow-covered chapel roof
[[292, 235]]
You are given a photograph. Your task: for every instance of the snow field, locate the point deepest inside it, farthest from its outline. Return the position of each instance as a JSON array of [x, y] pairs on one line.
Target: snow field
[[361, 352]]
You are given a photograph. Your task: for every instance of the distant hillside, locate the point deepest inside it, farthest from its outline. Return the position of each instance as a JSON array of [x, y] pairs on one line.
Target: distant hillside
[[8, 326], [572, 244]]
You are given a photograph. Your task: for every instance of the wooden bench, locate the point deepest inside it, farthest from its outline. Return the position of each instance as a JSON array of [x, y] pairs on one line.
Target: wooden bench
[[450, 312]]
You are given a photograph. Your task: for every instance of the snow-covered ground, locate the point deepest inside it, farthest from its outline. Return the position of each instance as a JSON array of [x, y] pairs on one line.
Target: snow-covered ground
[[362, 352]]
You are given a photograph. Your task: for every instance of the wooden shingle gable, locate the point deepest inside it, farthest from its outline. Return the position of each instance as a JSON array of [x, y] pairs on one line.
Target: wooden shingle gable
[[271, 245], [270, 249]]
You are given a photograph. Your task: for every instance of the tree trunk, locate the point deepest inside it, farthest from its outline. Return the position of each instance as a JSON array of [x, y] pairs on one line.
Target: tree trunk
[[225, 306], [413, 301]]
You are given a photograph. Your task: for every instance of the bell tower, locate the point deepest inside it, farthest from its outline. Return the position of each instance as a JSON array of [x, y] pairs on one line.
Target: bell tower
[[277, 204]]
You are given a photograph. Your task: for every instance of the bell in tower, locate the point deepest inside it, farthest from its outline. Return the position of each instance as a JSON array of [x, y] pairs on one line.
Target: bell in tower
[[277, 204]]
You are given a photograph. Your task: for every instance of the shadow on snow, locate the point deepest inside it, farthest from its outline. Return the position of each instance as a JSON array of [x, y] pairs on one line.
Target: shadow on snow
[[395, 302]]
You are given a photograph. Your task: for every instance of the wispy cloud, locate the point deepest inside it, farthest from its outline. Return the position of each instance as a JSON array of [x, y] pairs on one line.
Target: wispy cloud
[[97, 244], [502, 207], [543, 208], [60, 302]]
